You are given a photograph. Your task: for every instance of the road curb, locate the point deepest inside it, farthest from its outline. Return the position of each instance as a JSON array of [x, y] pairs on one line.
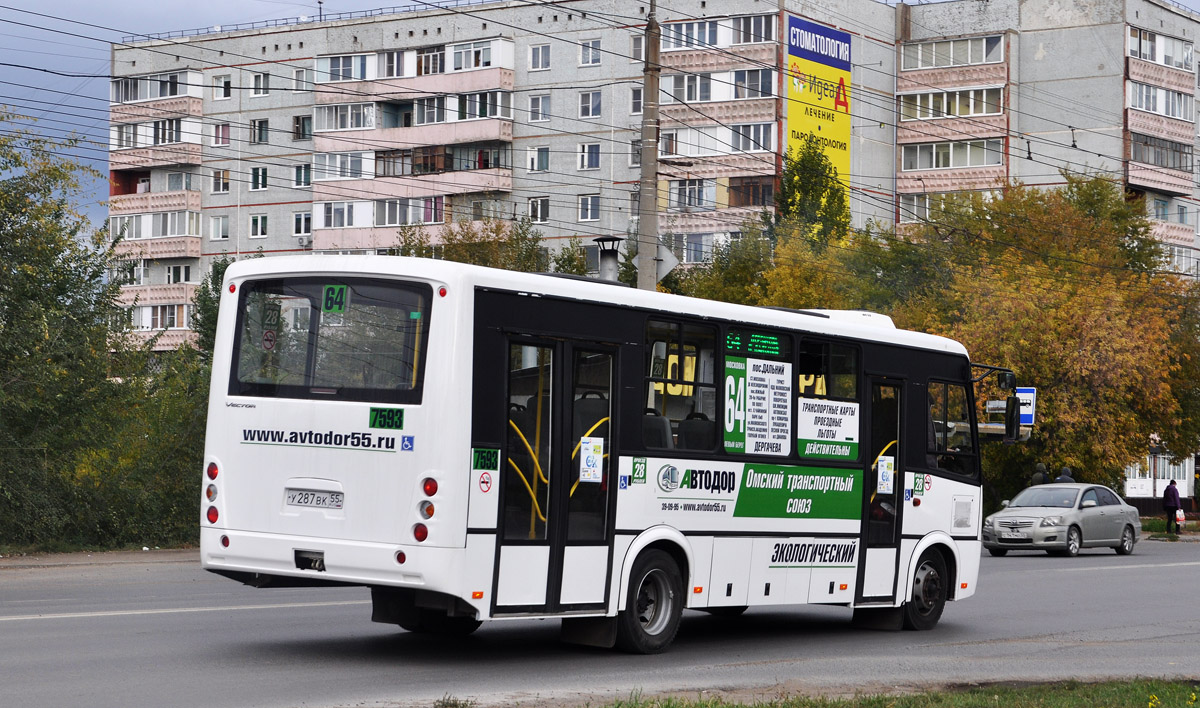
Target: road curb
[[84, 558]]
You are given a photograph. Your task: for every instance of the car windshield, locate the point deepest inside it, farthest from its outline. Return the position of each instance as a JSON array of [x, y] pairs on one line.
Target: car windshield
[[1042, 496]]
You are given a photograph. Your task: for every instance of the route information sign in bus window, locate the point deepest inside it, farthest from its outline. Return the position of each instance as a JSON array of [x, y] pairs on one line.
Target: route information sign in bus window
[[758, 406]]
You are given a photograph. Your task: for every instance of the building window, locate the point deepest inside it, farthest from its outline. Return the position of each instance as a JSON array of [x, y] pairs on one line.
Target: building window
[[221, 134], [391, 64], [684, 35], [417, 210], [1160, 209], [751, 83], [345, 116], [127, 136], [589, 156], [485, 104], [258, 226], [431, 110], [957, 52], [179, 274], [302, 80], [175, 223], [589, 104], [697, 248], [301, 223], [344, 68], [692, 195], [262, 84], [338, 214], [260, 131], [179, 181], [754, 137], [539, 57], [431, 60], [302, 127], [126, 227], [635, 153], [759, 28], [539, 210], [637, 48], [476, 55], [589, 207], [1164, 102], [969, 153], [1160, 49], [339, 165], [220, 182], [218, 228], [751, 191], [393, 163], [539, 159], [539, 108], [302, 176], [635, 101], [431, 160], [690, 87], [258, 178], [668, 143], [168, 131], [168, 317], [1160, 152], [589, 52], [944, 104], [222, 87]]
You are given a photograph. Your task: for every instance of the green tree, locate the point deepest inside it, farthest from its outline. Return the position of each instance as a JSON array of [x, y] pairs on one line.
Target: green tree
[[571, 258], [205, 304], [811, 199]]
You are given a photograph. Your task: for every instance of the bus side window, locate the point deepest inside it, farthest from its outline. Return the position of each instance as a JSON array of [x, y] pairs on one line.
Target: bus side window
[[951, 445], [681, 397]]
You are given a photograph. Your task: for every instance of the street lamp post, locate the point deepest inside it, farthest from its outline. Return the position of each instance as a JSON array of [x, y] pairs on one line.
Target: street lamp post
[[608, 246]]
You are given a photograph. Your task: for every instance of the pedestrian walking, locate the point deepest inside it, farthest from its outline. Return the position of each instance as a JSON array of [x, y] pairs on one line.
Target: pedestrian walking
[[1064, 476], [1040, 476], [1171, 505]]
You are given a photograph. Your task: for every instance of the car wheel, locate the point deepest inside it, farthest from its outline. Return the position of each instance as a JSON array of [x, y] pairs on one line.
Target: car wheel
[[1074, 541], [998, 552], [650, 619], [924, 607], [1126, 545]]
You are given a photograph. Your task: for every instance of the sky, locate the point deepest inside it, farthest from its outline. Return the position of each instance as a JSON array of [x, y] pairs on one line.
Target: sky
[[72, 37]]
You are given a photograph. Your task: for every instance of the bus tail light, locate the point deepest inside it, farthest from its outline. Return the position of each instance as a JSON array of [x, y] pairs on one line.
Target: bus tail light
[[429, 486], [212, 515], [224, 542], [420, 532], [401, 557], [442, 291], [212, 470], [426, 509], [211, 492]]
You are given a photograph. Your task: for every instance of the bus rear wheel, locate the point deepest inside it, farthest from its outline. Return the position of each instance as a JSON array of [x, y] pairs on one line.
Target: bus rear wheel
[[650, 620], [928, 599]]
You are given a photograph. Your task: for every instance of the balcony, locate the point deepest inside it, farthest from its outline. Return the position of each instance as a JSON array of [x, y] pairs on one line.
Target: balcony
[[168, 339], [951, 129], [742, 164], [954, 179], [1173, 232], [415, 86], [713, 220], [160, 248], [746, 110], [183, 200], [950, 77], [705, 59], [426, 185], [1173, 129], [1159, 179], [158, 109], [156, 156], [368, 238], [449, 133], [177, 294], [1168, 77]]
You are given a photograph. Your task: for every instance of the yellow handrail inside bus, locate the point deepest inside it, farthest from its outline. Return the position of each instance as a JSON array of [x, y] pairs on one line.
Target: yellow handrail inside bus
[[537, 466], [536, 507]]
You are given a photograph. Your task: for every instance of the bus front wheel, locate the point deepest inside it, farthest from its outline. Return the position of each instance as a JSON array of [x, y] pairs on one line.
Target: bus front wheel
[[650, 619], [928, 599]]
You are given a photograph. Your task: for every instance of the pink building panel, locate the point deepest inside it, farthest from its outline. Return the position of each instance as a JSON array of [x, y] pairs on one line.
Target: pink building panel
[[174, 107], [1158, 126], [735, 57], [1169, 77], [160, 248], [752, 164], [921, 80], [168, 339], [1159, 179], [959, 179], [460, 182], [952, 129], [177, 294], [454, 132], [1173, 233], [122, 204], [415, 86], [157, 156], [369, 237], [750, 110]]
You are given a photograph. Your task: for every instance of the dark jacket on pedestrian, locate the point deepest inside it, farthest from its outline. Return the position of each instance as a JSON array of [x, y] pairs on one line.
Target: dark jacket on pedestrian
[[1171, 497], [1064, 476]]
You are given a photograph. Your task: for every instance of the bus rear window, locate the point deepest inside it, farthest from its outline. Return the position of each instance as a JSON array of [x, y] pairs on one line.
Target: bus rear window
[[332, 338]]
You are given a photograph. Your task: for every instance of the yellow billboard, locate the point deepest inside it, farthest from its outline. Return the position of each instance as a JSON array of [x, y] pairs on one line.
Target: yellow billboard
[[818, 90]]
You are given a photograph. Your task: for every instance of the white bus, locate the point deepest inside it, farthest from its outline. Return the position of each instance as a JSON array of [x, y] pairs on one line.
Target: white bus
[[474, 444]]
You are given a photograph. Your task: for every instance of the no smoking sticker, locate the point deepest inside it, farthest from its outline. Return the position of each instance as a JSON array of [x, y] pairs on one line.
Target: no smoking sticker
[[268, 340], [485, 482]]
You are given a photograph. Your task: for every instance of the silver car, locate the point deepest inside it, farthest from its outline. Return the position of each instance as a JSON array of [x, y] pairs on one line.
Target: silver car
[[1062, 518]]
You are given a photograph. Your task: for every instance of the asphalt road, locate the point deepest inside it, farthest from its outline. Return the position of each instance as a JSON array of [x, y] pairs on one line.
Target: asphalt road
[[153, 630]]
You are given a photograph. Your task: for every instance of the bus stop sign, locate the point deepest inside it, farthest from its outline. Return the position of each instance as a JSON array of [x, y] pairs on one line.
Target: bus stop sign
[[1028, 397]]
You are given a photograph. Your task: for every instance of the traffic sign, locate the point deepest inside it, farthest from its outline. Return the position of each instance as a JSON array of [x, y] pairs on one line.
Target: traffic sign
[[1028, 397]]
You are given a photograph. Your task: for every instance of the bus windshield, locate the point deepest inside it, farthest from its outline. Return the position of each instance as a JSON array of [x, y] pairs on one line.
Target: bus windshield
[[332, 338]]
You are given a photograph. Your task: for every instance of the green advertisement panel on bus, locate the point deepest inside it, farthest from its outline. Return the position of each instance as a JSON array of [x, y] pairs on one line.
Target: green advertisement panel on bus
[[758, 491]]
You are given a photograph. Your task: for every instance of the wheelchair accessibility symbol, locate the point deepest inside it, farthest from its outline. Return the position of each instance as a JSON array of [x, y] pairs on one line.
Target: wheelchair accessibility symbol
[[406, 443]]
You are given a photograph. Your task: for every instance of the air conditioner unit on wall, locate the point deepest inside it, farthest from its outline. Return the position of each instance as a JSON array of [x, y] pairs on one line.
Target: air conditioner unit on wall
[[303, 240]]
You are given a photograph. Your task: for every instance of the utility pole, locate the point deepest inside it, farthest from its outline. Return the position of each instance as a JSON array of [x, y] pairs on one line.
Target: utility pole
[[647, 232]]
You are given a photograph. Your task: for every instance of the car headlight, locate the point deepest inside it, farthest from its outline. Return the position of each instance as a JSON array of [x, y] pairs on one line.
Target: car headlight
[[987, 523], [1051, 521]]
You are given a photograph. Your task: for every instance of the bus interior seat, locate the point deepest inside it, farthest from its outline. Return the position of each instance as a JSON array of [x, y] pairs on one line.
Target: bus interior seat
[[590, 409], [656, 430], [697, 432]]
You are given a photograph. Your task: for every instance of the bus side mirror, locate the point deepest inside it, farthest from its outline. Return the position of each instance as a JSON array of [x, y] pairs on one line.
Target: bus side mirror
[[1007, 380], [1012, 419]]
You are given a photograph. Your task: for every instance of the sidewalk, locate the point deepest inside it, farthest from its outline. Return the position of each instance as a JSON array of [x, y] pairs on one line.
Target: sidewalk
[[51, 560]]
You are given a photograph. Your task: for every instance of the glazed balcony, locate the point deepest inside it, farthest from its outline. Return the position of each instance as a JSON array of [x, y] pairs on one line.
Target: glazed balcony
[[407, 186], [737, 56], [955, 179], [168, 339], [183, 200], [1147, 72], [713, 220], [412, 87], [746, 110], [449, 133], [1159, 179], [161, 248], [920, 80], [156, 156], [1173, 232], [951, 129], [743, 164], [158, 109], [176, 294], [1152, 124], [370, 237]]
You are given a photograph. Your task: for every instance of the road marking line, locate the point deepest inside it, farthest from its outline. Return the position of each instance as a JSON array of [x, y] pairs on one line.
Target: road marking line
[[123, 613], [1126, 567]]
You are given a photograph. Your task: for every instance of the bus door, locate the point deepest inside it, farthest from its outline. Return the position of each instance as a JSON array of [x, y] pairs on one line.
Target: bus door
[[557, 496], [882, 494]]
